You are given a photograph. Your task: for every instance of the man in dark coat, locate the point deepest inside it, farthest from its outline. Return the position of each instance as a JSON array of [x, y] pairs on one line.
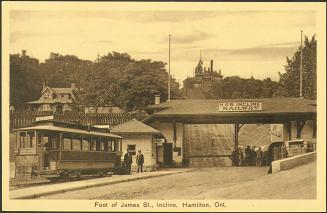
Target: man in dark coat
[[139, 161], [128, 162], [247, 155]]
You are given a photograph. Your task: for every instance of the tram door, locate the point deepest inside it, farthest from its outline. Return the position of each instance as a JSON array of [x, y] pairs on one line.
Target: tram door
[[168, 154], [46, 154]]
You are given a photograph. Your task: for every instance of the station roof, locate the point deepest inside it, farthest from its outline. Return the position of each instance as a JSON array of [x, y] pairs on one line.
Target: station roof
[[133, 127], [273, 110]]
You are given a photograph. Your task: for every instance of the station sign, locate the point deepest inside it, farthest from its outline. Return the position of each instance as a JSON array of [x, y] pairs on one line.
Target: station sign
[[27, 151], [44, 118], [159, 141], [240, 106]]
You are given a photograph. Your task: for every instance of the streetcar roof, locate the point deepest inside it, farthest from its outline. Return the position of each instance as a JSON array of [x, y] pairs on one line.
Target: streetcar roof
[[64, 129]]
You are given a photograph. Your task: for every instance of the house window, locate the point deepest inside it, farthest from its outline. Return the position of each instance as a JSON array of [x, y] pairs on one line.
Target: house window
[[132, 149], [47, 95], [46, 107]]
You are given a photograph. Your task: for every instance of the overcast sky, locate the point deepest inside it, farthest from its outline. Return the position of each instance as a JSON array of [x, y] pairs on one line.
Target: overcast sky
[[240, 43]]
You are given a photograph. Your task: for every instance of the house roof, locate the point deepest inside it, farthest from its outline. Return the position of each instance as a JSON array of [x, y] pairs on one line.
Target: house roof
[[58, 89], [52, 101], [133, 127], [63, 100], [272, 108], [63, 90]]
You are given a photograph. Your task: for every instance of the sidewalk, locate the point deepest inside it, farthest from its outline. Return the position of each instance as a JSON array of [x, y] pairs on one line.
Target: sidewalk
[[37, 191]]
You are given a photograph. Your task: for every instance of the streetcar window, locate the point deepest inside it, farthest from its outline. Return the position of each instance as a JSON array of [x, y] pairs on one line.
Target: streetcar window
[[22, 139], [93, 145], [112, 146], [97, 144], [54, 143], [76, 144], [104, 144], [86, 144], [31, 140], [67, 144]]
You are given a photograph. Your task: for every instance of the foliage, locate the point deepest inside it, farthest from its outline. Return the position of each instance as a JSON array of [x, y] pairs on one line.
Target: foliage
[[60, 71], [236, 87], [119, 80], [289, 83], [25, 79], [113, 79]]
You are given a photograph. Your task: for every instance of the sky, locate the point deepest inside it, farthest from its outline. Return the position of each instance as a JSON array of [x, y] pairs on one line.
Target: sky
[[243, 43]]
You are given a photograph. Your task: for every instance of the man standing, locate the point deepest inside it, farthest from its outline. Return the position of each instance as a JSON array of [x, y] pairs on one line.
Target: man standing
[[259, 157], [139, 161], [247, 155], [128, 162]]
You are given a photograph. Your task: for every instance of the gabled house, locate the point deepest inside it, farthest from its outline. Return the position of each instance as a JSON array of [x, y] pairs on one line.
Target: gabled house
[[54, 99]]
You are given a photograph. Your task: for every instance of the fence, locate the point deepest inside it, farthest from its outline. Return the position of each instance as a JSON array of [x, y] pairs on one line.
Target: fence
[[23, 119], [283, 152]]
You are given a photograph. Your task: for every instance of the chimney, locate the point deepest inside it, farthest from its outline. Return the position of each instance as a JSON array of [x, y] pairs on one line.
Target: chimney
[[211, 65], [23, 53], [157, 99], [72, 85], [43, 86]]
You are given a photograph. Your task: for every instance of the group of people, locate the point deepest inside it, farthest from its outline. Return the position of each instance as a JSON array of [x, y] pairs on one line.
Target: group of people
[[128, 160], [250, 156]]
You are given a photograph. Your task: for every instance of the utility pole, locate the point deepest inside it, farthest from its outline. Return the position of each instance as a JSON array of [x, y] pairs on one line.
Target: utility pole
[[301, 92], [169, 71]]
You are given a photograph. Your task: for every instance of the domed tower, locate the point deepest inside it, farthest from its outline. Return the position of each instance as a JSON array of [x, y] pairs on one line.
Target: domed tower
[[199, 68]]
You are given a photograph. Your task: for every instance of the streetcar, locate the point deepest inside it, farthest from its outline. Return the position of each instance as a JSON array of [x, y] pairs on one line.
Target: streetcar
[[66, 150]]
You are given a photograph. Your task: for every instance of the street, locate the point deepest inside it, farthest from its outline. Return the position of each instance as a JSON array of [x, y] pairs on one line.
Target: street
[[210, 183]]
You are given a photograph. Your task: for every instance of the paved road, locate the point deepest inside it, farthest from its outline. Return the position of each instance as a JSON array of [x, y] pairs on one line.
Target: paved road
[[210, 183]]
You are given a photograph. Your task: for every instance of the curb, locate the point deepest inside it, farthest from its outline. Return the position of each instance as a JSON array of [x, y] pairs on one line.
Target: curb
[[109, 182]]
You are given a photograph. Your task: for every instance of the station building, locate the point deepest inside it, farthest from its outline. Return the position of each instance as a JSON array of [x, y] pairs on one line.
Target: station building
[[139, 136], [197, 135]]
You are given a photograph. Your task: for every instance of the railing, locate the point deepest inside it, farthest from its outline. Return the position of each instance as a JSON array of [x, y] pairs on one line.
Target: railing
[[283, 152]]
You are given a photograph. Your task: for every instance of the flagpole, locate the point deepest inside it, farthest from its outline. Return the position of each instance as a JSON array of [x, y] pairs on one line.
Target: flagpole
[[169, 71], [301, 92]]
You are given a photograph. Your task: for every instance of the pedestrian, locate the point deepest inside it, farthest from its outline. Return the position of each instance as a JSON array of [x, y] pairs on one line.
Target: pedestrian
[[128, 162], [139, 161], [240, 156], [247, 155], [259, 154], [253, 156]]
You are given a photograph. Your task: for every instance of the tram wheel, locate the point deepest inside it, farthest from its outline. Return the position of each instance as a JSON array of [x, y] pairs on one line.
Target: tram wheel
[[101, 173]]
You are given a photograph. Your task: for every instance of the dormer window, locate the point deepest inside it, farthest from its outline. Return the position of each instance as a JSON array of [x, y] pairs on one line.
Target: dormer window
[[48, 95]]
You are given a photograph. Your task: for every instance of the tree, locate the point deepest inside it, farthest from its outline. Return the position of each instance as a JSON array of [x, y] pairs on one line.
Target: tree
[[25, 79], [236, 87], [119, 80], [61, 71], [289, 83]]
